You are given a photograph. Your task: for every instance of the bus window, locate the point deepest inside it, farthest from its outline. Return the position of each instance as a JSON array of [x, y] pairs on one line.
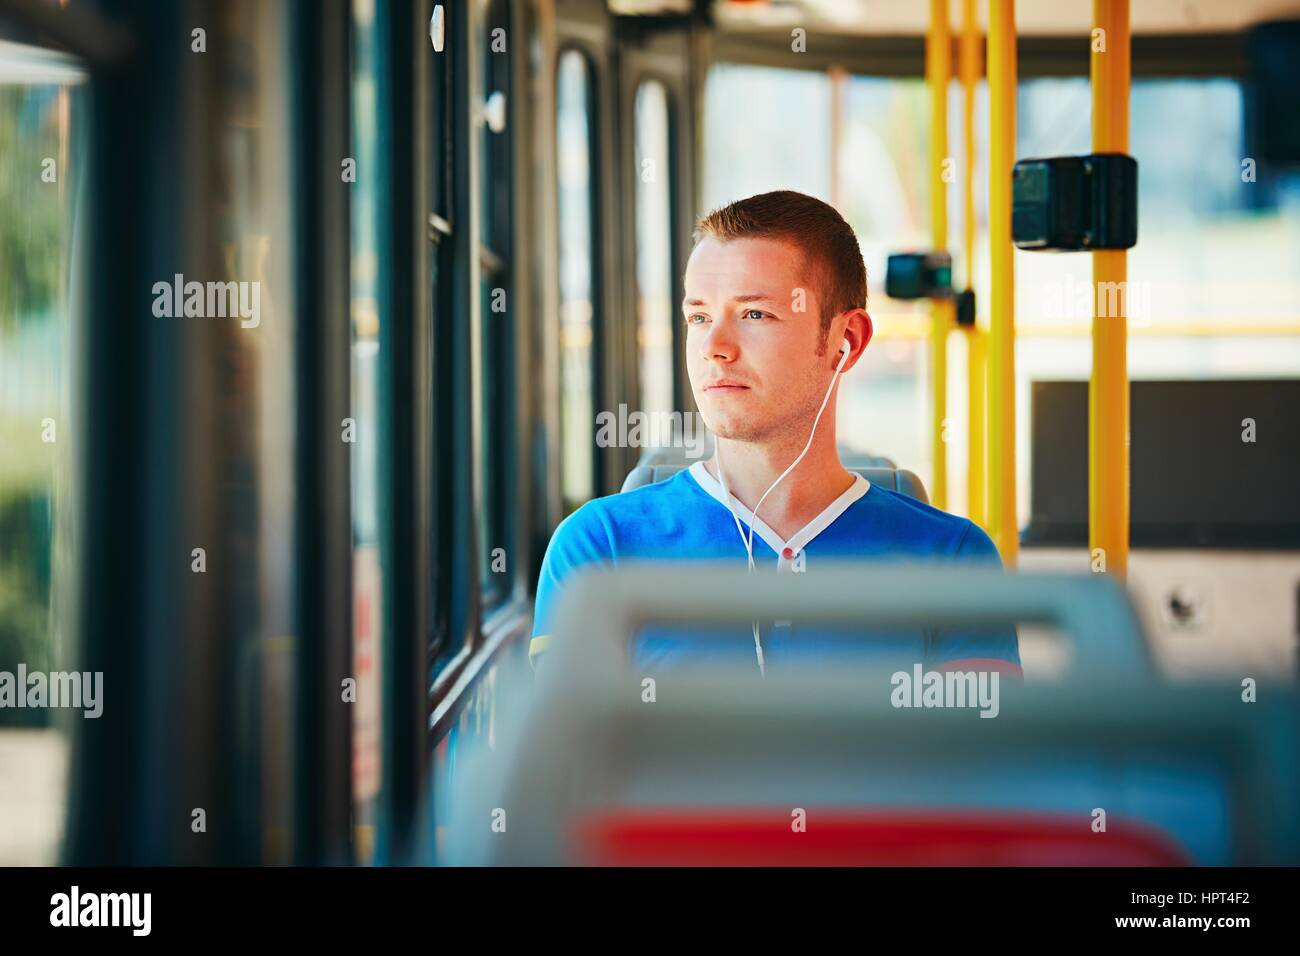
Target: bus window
[[1209, 278], [1211, 288], [785, 145], [574, 139], [884, 190], [654, 249], [39, 166]]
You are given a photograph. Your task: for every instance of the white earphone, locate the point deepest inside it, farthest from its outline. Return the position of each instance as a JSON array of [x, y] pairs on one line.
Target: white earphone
[[846, 349]]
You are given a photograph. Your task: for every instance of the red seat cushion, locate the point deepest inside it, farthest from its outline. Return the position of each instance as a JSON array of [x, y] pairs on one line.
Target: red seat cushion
[[748, 837]]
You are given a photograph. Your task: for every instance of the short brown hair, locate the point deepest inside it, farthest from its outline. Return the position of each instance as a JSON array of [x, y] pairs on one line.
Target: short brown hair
[[830, 249]]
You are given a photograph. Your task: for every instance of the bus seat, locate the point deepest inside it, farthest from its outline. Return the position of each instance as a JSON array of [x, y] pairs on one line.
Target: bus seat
[[895, 479], [749, 837], [593, 774]]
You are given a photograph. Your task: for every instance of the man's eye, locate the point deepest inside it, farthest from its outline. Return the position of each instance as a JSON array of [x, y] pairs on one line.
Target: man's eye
[[755, 314], [696, 318]]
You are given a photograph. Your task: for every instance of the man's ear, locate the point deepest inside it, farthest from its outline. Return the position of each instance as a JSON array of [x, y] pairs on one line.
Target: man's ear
[[858, 331], [868, 329]]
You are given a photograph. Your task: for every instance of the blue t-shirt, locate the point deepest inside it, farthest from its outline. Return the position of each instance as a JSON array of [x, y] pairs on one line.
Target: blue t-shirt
[[686, 518]]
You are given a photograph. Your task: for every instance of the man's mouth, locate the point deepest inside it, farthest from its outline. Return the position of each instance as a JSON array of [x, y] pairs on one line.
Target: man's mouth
[[724, 385]]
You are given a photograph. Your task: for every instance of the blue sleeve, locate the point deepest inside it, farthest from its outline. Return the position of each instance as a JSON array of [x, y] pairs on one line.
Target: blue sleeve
[[582, 538], [999, 644]]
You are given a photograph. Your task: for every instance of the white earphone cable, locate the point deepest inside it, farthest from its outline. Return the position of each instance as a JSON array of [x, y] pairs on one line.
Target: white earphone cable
[[749, 554], [748, 540]]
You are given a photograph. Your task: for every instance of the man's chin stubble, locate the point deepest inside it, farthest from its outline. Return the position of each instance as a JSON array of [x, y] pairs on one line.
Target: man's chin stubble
[[750, 434]]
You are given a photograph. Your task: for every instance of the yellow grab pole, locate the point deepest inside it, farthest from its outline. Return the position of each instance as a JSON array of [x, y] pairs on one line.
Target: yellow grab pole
[[1108, 408], [977, 349], [938, 73], [968, 67], [1002, 304]]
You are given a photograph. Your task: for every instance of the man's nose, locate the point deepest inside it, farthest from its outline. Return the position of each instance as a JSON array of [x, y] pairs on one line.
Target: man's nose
[[720, 344]]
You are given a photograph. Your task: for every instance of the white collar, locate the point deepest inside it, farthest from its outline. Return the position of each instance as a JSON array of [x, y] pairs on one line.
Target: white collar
[[800, 538]]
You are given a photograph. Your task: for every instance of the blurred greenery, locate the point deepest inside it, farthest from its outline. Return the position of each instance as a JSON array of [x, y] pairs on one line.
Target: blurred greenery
[[25, 553], [33, 337], [31, 214]]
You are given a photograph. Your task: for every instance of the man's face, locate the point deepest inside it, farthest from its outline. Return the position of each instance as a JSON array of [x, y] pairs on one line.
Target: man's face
[[752, 358]]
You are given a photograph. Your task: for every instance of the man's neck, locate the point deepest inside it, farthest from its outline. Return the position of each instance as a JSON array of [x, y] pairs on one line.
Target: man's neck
[[805, 493]]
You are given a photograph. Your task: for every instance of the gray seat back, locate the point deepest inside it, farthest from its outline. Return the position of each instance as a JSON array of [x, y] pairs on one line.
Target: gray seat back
[[895, 479]]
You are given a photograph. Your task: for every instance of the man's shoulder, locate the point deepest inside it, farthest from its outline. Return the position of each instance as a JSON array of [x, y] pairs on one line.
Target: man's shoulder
[[922, 524], [602, 531], [668, 492], [608, 517]]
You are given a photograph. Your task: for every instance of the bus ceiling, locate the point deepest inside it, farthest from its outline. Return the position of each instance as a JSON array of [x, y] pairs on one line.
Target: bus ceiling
[[1045, 18]]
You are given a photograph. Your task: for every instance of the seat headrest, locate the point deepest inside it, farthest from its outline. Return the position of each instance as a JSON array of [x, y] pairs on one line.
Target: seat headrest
[[895, 479]]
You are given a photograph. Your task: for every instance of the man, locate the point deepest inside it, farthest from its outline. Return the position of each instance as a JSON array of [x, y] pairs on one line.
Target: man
[[775, 310]]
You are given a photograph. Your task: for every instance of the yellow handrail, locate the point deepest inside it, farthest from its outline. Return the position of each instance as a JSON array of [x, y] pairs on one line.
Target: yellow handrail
[[938, 74], [968, 67], [1002, 333], [1108, 409]]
